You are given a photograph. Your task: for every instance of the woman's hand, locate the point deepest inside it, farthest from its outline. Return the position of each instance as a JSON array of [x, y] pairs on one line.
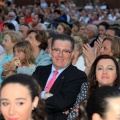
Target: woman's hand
[[89, 56], [6, 68], [88, 52], [98, 44]]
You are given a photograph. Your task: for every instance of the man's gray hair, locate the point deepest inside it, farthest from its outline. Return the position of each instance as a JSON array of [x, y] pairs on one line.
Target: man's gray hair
[[94, 29]]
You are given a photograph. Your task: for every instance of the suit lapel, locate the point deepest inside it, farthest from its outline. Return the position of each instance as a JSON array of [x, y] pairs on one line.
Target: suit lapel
[[60, 80], [45, 76]]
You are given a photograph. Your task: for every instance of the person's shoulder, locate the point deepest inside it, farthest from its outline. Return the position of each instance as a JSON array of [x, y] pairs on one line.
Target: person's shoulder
[[44, 67], [75, 71], [2, 52], [44, 55], [75, 68]]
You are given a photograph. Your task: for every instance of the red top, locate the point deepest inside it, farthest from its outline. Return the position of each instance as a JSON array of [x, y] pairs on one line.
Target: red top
[[28, 20], [1, 26]]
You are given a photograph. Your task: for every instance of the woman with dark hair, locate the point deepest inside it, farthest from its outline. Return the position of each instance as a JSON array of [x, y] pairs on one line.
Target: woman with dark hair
[[19, 99], [103, 26], [103, 104], [75, 27], [104, 71]]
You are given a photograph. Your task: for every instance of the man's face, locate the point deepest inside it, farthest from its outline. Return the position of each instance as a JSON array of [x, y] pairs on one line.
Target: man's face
[[27, 13], [56, 15], [88, 31], [61, 54], [23, 29], [110, 32], [11, 16], [22, 20], [35, 20]]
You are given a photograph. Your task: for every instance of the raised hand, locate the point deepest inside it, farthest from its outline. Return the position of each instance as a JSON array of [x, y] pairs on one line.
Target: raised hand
[[88, 52]]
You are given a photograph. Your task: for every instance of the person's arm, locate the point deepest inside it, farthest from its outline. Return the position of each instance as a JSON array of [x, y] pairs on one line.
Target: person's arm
[[64, 99], [24, 70], [81, 96]]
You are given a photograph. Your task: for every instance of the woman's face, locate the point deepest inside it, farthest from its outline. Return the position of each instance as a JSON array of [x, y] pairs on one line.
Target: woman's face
[[60, 29], [16, 102], [82, 29], [106, 72], [106, 48], [5, 28], [7, 43], [102, 30], [113, 111], [75, 29], [22, 20], [32, 40]]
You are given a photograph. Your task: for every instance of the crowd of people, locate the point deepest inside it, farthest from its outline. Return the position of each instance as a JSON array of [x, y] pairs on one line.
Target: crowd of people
[[59, 62]]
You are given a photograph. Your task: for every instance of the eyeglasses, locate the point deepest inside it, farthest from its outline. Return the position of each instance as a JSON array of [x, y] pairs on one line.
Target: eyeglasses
[[11, 16], [64, 52]]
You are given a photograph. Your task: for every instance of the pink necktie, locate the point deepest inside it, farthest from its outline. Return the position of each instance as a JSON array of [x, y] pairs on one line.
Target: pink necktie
[[51, 82]]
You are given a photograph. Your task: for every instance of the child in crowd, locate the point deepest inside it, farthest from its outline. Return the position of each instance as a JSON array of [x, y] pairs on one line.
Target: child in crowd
[[23, 57]]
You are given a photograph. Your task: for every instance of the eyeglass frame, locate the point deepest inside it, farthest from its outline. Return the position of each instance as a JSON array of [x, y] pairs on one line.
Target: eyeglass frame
[[64, 52]]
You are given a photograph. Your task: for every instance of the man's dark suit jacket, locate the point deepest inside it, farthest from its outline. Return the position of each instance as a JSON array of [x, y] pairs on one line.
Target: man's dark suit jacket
[[64, 90]]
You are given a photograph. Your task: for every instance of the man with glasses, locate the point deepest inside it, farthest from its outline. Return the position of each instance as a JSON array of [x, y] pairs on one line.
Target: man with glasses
[[11, 19], [61, 81]]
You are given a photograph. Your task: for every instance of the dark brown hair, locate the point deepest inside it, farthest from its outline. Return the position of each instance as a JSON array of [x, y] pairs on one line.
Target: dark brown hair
[[40, 36], [92, 76], [39, 113]]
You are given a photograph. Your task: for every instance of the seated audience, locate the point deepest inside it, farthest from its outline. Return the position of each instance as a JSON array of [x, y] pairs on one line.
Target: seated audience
[[8, 26], [63, 28], [23, 57], [102, 27], [78, 59], [38, 41], [110, 45], [10, 38], [75, 27], [61, 80], [92, 32], [113, 31], [104, 71]]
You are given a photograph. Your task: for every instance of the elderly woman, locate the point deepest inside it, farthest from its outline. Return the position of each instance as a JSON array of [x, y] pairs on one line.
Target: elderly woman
[[10, 38]]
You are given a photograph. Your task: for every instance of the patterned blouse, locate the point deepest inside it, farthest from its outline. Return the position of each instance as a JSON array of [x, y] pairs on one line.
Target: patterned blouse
[[81, 96]]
